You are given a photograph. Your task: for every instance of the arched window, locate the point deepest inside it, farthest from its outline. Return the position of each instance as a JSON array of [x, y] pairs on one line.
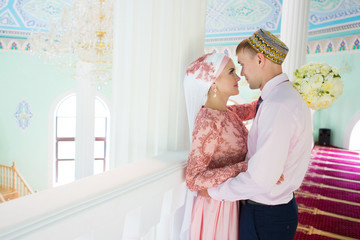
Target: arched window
[[354, 143], [352, 133], [65, 130]]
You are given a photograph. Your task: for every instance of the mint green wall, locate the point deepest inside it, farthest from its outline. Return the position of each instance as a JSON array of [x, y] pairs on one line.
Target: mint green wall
[[338, 115], [25, 77]]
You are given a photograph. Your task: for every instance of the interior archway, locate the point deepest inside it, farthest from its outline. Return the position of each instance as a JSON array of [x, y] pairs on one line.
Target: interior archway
[[354, 143], [352, 133]]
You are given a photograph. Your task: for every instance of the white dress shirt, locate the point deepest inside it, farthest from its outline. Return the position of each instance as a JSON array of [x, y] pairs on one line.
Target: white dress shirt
[[279, 142]]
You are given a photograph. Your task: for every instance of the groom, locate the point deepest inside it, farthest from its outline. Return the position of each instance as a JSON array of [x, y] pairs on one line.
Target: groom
[[279, 142]]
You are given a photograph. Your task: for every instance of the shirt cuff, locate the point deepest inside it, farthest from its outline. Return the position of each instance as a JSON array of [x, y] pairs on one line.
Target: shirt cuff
[[213, 193]]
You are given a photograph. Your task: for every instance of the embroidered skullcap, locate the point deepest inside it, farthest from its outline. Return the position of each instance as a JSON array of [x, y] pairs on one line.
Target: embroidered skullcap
[[200, 75], [266, 43]]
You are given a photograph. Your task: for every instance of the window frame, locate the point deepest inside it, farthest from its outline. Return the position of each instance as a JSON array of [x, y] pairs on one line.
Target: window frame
[[105, 139]]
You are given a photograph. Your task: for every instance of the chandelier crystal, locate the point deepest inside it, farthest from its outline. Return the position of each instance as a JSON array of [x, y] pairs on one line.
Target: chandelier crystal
[[84, 33]]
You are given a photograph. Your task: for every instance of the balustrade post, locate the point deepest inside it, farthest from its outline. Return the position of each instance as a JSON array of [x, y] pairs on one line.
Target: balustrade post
[[13, 179]]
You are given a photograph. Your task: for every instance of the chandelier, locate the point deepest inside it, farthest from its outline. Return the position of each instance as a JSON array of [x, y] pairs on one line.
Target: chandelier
[[84, 33]]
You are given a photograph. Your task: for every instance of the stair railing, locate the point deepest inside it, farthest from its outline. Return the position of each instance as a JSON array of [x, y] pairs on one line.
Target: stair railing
[[6, 177], [21, 185], [10, 178]]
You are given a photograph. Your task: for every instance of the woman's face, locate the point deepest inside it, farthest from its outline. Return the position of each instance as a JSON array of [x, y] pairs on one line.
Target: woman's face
[[227, 82]]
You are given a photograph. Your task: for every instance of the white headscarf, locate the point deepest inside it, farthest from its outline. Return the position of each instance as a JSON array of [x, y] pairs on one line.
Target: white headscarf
[[200, 75]]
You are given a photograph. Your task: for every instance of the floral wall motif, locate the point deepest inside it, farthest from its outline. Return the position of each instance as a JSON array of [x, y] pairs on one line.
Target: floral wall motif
[[329, 47], [338, 44], [23, 114], [8, 44], [356, 44]]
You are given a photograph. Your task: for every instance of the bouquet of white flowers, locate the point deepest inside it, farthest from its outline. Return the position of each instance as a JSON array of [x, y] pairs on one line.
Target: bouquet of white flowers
[[319, 84]]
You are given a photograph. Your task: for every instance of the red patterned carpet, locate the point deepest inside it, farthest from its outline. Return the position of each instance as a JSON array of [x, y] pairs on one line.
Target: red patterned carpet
[[329, 198]]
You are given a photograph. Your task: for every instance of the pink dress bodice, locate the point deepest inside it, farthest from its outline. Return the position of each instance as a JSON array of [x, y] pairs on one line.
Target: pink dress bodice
[[219, 146]]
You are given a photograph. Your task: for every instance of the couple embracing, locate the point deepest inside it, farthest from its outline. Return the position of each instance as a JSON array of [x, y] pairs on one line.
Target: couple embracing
[[262, 167]]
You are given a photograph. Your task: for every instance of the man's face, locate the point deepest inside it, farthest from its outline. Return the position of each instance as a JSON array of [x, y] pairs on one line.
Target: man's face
[[250, 68]]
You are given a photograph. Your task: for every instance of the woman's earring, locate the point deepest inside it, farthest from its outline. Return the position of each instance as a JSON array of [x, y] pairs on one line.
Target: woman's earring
[[214, 91]]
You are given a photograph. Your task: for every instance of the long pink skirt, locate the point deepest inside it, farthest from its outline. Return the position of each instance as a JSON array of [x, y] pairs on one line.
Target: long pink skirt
[[214, 220]]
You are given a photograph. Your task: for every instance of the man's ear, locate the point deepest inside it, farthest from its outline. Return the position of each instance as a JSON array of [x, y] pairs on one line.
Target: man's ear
[[260, 59]]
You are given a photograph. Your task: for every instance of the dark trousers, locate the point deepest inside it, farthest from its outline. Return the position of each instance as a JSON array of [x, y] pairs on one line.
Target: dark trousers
[[265, 222]]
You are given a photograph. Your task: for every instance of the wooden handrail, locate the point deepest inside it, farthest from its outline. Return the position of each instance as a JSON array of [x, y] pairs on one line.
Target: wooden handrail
[[13, 173], [11, 179], [5, 176], [22, 180]]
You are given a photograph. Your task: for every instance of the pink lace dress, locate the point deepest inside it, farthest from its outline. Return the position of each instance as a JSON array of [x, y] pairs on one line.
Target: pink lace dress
[[217, 153]]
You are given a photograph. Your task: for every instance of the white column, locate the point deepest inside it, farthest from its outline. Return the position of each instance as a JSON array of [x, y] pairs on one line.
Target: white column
[[294, 33], [154, 41], [85, 120]]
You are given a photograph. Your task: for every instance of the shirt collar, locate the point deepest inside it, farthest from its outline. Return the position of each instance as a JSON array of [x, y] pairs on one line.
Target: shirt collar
[[269, 86]]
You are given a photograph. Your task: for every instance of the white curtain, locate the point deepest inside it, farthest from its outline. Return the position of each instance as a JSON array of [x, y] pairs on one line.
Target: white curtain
[[154, 41]]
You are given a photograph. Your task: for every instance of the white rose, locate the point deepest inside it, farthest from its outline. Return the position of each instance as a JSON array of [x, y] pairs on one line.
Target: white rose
[[315, 81], [337, 87], [325, 69], [325, 101], [306, 88], [312, 98], [310, 72], [335, 70]]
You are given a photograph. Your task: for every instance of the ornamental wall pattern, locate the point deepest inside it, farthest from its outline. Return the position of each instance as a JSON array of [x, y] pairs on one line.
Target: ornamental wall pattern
[[8, 44], [23, 114], [235, 17], [332, 45], [19, 17], [339, 44]]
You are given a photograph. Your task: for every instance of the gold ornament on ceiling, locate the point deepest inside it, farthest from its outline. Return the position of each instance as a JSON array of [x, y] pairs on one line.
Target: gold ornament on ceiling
[[84, 33]]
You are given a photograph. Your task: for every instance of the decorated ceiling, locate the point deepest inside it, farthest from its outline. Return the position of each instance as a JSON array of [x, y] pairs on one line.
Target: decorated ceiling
[[236, 18], [232, 20], [19, 17], [227, 21]]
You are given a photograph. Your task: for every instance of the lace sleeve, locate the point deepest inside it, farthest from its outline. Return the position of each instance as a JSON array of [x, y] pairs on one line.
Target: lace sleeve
[[245, 111], [205, 143]]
